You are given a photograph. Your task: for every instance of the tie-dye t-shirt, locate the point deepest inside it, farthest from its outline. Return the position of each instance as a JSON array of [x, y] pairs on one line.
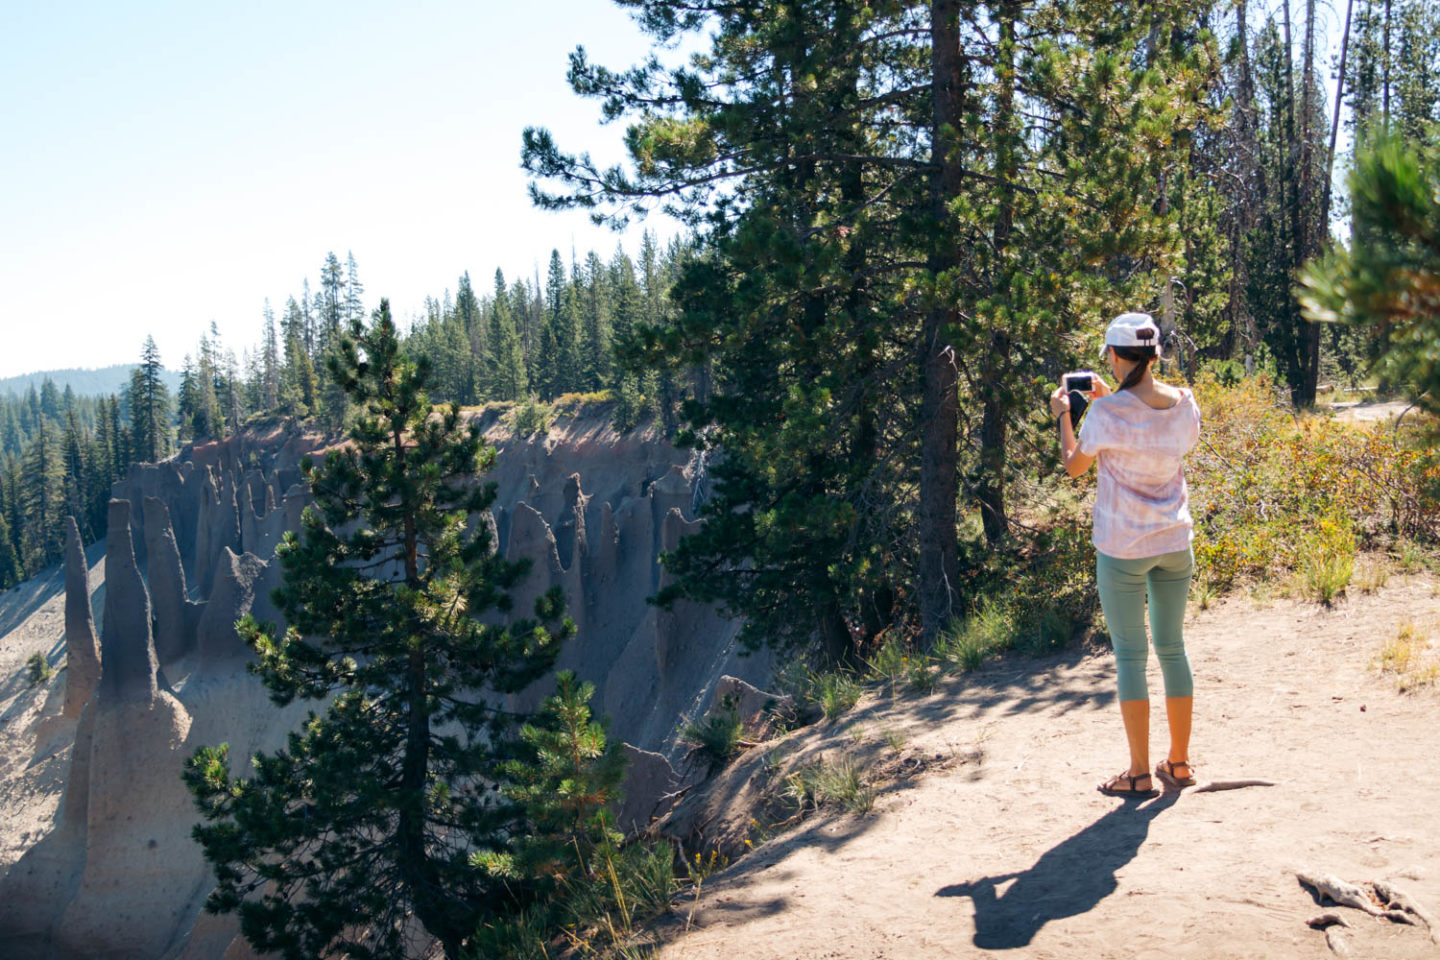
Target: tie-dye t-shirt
[[1142, 506]]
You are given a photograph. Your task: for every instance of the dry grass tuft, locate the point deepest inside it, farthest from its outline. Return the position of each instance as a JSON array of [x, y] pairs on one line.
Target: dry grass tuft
[[1409, 658]]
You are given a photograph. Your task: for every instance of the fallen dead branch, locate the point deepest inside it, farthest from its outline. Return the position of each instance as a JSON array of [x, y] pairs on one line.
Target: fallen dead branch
[[1212, 786]]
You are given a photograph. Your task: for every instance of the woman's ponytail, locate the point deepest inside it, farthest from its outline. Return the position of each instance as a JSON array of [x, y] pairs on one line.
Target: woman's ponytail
[[1142, 357]]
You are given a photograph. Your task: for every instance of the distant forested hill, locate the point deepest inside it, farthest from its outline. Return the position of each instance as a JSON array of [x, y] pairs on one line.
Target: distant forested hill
[[85, 383]]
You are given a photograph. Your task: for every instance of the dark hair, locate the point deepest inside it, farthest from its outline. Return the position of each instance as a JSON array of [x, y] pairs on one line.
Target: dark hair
[[1142, 357]]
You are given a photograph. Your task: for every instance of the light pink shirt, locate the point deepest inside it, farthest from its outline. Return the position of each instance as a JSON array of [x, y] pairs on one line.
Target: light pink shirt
[[1142, 506]]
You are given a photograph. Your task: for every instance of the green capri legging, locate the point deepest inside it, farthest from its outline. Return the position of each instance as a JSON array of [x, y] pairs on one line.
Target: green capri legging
[[1122, 586]]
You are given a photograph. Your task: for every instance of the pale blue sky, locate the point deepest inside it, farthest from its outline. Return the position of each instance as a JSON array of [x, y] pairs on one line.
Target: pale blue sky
[[163, 165], [166, 164]]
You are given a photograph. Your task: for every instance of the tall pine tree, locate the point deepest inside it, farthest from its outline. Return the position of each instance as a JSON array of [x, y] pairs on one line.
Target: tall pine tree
[[361, 830]]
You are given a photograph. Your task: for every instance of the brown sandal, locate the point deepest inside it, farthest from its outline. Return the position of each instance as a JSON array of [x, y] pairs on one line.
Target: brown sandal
[[1113, 788], [1165, 770]]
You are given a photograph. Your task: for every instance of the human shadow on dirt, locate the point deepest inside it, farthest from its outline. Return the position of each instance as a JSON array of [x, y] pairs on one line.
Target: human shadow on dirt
[[1070, 878]]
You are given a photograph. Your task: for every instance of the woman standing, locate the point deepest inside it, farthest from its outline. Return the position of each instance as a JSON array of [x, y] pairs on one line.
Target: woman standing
[[1139, 434]]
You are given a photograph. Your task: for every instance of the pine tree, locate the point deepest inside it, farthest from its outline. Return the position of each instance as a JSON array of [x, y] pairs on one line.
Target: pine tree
[[566, 779], [505, 377], [14, 503], [977, 248], [50, 403], [596, 319], [569, 332], [354, 291], [41, 498], [149, 402], [395, 774], [467, 313], [545, 364], [269, 362], [331, 306], [76, 481], [10, 569], [1388, 281]]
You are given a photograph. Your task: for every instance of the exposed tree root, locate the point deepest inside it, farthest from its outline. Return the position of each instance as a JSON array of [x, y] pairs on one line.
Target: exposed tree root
[[1398, 901], [1386, 902], [1343, 893], [1211, 786], [1327, 920]]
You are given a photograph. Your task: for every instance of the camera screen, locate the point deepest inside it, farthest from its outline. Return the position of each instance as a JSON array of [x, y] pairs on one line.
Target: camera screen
[[1080, 382]]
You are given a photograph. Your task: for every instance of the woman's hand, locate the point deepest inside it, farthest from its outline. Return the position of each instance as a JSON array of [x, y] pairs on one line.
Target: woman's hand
[[1059, 402], [1102, 389]]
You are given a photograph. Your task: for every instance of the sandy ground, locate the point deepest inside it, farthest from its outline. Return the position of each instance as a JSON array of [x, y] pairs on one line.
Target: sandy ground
[[1372, 411], [1004, 846], [1010, 850]]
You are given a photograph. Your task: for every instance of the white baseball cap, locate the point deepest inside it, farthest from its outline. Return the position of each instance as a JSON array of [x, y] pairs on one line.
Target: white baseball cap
[[1132, 330]]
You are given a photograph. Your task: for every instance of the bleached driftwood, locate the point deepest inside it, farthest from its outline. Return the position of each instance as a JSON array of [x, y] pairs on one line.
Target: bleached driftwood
[[1327, 920], [1211, 786], [1398, 901], [1343, 893], [1336, 942]]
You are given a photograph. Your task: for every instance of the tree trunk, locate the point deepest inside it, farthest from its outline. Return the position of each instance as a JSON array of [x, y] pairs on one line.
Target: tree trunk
[[940, 409], [996, 372], [1242, 216], [416, 870], [1335, 120]]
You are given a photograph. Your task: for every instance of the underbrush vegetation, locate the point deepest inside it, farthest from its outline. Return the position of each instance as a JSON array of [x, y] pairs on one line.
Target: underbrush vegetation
[[38, 669], [1409, 659], [532, 417], [717, 737], [840, 781], [1274, 493], [1309, 505]]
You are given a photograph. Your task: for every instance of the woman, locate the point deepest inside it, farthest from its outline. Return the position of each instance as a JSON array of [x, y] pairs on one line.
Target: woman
[[1139, 435]]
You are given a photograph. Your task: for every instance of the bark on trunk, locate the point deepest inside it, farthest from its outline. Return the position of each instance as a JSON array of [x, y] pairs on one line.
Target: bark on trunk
[[939, 412], [994, 423]]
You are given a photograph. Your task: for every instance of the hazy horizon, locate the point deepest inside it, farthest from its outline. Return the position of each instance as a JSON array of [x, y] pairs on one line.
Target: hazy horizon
[[179, 164]]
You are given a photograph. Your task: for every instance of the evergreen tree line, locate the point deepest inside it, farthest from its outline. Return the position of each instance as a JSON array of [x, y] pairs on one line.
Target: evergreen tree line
[[544, 339], [912, 216], [62, 453], [518, 340]]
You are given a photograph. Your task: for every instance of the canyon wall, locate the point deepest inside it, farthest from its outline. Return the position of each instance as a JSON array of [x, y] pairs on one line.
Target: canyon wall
[[190, 548]]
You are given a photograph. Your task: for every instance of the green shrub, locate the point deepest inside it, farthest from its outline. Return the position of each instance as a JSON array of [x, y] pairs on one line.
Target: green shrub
[[524, 936], [717, 737], [890, 663], [968, 643], [823, 781], [38, 669], [531, 417], [836, 693], [921, 675], [1263, 480]]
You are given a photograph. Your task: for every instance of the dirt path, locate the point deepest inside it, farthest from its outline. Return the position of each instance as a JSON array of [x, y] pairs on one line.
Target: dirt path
[[1011, 850]]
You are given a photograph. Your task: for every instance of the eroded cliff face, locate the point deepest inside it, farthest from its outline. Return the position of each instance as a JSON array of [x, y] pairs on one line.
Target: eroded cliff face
[[190, 548]]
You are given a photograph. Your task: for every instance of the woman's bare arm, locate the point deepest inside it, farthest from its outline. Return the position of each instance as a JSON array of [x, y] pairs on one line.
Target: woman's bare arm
[[1076, 463]]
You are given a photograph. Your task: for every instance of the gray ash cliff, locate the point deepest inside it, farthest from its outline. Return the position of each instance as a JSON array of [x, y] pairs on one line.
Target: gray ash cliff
[[190, 548]]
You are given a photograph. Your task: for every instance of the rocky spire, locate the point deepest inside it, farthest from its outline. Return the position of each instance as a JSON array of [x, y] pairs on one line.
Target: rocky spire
[[174, 621], [127, 671], [82, 651]]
